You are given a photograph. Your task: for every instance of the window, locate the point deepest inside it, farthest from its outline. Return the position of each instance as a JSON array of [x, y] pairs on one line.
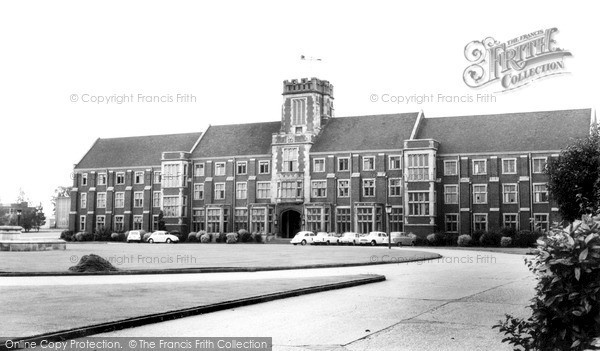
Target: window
[[396, 221], [84, 179], [298, 111], [343, 164], [319, 188], [156, 199], [418, 167], [83, 201], [539, 164], [241, 190], [343, 187], [102, 179], [240, 218], [509, 165], [119, 200], [219, 191], [198, 219], [171, 206], [509, 193], [343, 219], [368, 187], [314, 219], [395, 162], [510, 221], [368, 163], [319, 165], [452, 223], [139, 177], [479, 222], [138, 199], [171, 175], [450, 168], [220, 169], [450, 194], [120, 178], [364, 219], [155, 222], [213, 220], [199, 170], [82, 223], [101, 200], [259, 218], [157, 177], [199, 191], [480, 193], [418, 204], [395, 186], [479, 167], [290, 160], [138, 222], [540, 193], [100, 222], [290, 190], [263, 190], [119, 225], [540, 222], [264, 167], [242, 167]]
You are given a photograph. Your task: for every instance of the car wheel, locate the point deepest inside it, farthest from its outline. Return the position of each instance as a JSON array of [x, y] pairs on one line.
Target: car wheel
[[151, 241], [398, 244], [295, 244], [373, 243], [353, 243], [327, 243], [169, 241], [303, 242]]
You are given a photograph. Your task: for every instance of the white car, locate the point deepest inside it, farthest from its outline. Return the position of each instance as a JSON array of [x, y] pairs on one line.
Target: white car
[[161, 236], [135, 235], [350, 238], [325, 238], [374, 238], [303, 238], [403, 239]]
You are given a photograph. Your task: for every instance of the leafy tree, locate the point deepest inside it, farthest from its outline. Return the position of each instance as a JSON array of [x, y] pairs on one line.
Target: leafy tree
[[161, 221], [33, 218], [574, 177]]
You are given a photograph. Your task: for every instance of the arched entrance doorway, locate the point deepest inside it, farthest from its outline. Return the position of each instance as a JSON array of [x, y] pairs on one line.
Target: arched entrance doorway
[[290, 223]]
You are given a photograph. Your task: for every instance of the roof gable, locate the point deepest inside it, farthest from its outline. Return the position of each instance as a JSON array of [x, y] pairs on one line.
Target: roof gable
[[135, 151], [510, 132]]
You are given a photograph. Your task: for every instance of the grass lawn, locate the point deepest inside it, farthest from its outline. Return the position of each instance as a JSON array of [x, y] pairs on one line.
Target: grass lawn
[[31, 310], [136, 256]]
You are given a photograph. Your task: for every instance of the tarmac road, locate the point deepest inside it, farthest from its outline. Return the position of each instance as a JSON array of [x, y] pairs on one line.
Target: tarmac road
[[444, 304]]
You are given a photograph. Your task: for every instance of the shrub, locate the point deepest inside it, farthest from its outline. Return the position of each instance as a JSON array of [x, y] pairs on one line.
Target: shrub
[[464, 240], [244, 236], [221, 237], [566, 308], [192, 237], [102, 234], [508, 231], [79, 236], [490, 239], [205, 238], [432, 239], [476, 236], [525, 238], [145, 237], [257, 237], [115, 237], [199, 235], [67, 235], [232, 238], [179, 235], [506, 241]]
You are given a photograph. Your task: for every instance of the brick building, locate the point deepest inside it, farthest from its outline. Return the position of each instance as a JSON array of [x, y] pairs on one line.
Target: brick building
[[316, 172]]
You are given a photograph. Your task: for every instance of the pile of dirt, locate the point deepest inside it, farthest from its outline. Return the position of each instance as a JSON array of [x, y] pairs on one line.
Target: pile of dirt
[[93, 263]]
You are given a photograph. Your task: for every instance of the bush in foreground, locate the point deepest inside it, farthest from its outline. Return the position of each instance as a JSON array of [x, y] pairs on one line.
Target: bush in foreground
[[192, 238], [566, 308], [506, 241], [490, 239], [464, 240], [232, 238]]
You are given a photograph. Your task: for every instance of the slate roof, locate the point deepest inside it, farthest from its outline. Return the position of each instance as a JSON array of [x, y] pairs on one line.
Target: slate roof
[[511, 132], [135, 151], [376, 132], [237, 139]]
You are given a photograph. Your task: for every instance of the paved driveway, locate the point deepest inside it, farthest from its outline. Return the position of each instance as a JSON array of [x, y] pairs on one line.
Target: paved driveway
[[445, 304]]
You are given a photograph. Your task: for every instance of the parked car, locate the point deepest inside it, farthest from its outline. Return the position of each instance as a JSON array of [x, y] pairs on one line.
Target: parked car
[[350, 238], [135, 235], [402, 239], [325, 238], [303, 238], [161, 236], [374, 238]]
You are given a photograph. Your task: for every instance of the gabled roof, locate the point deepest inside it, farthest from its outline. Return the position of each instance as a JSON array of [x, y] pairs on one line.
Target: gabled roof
[[376, 132], [237, 139], [510, 132], [135, 151]]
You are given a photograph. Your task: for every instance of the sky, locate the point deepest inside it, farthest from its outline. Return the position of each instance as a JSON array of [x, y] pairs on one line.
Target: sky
[[227, 61]]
